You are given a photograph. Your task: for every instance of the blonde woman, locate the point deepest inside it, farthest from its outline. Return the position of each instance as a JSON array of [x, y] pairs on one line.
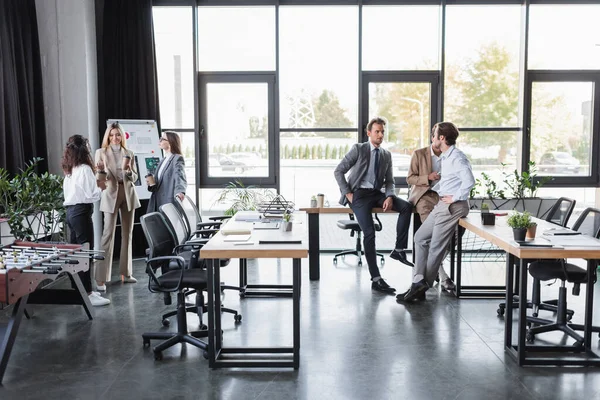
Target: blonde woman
[[117, 162]]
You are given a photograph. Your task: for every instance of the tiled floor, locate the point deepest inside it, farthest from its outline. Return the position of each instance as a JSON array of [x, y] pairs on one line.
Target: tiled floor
[[356, 344]]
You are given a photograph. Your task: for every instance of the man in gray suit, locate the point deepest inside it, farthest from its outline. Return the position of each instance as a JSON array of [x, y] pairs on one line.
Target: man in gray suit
[[370, 169]]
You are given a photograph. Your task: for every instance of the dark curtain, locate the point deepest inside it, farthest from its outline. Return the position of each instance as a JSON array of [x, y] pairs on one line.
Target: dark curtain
[[22, 123], [127, 76]]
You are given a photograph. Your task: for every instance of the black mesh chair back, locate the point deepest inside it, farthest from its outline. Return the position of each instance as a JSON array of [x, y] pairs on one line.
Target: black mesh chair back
[[161, 240], [588, 222], [189, 209], [176, 222], [561, 211]]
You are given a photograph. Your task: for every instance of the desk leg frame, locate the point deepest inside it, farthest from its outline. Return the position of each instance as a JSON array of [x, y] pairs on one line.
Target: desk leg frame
[[314, 247], [522, 353], [223, 357]]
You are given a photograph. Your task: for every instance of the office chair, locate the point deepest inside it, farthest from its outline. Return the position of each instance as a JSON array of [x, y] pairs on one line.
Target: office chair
[[173, 277], [353, 226], [193, 219], [543, 270], [559, 214], [197, 238]]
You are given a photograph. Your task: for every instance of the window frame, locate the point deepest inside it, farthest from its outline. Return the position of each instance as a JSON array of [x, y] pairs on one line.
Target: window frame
[[563, 76]]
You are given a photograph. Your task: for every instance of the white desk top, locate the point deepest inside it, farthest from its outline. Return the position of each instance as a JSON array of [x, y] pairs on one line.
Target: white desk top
[[217, 247]]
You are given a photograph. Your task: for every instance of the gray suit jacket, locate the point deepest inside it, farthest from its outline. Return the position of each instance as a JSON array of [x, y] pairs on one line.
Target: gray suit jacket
[[171, 182], [357, 162]]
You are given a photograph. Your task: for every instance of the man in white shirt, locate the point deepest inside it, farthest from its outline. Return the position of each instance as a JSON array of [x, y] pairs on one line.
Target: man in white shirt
[[424, 173], [433, 237]]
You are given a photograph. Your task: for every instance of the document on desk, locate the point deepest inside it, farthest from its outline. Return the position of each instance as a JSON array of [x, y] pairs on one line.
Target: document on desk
[[534, 243], [236, 238], [266, 225], [560, 232], [574, 241]]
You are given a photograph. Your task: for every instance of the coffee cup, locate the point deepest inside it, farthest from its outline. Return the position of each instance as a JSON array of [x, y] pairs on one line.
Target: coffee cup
[[126, 162], [150, 180], [320, 200], [101, 175]]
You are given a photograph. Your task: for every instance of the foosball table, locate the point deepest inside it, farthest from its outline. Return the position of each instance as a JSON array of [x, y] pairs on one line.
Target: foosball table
[[28, 272]]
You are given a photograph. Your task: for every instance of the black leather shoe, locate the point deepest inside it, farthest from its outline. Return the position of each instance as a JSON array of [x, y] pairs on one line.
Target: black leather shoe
[[401, 256], [416, 292], [420, 297], [382, 286]]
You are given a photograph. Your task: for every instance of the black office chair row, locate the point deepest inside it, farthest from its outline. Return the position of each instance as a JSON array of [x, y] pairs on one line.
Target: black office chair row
[[544, 270], [559, 214]]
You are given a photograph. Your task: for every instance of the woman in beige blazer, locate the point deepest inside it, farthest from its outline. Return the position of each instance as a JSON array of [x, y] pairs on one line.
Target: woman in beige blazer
[[118, 163]]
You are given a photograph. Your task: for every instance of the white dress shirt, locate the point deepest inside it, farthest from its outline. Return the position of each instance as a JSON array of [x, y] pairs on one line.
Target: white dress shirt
[[163, 165], [457, 177], [436, 164], [80, 187], [369, 179]]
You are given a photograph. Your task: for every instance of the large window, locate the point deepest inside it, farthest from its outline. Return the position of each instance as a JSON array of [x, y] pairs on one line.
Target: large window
[[400, 38], [318, 67], [482, 66], [174, 59], [236, 39], [564, 37]]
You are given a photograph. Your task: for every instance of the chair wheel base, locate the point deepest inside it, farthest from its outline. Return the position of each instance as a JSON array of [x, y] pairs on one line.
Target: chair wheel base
[[166, 322], [237, 318], [158, 355]]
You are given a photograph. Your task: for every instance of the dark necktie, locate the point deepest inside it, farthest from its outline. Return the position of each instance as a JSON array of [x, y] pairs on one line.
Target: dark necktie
[[376, 184]]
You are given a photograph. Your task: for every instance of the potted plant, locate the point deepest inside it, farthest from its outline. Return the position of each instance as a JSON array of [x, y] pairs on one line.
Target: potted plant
[[487, 218], [313, 201], [519, 222], [287, 222], [33, 203], [531, 231], [243, 198]]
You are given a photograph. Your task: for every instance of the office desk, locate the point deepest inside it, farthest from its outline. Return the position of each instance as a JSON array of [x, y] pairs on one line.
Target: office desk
[[217, 248], [314, 246], [501, 235]]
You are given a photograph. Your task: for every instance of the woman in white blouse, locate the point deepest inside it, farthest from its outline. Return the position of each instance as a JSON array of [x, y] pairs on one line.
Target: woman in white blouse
[[81, 192], [117, 162]]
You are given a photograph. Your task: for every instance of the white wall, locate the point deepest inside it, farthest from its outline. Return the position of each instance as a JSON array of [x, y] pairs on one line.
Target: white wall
[[67, 34]]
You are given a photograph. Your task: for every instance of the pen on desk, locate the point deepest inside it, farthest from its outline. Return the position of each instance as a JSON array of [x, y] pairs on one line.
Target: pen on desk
[[243, 243], [567, 233]]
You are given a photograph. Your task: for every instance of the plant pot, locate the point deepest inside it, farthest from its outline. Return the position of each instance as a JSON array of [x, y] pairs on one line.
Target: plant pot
[[287, 226], [519, 234], [488, 218], [313, 203], [531, 231]]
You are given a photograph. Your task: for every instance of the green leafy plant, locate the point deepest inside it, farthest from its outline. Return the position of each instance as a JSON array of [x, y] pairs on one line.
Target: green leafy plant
[[243, 198], [33, 203], [485, 208], [519, 220], [287, 217], [526, 183]]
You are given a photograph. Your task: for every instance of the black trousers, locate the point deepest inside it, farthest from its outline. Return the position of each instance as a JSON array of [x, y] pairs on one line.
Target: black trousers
[[363, 201], [79, 220]]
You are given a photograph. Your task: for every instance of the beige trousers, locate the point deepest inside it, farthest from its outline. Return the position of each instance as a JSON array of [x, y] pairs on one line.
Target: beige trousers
[[104, 268]]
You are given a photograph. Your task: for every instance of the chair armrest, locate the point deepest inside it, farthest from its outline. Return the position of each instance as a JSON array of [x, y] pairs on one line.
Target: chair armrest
[[202, 225], [204, 232], [152, 271], [220, 218]]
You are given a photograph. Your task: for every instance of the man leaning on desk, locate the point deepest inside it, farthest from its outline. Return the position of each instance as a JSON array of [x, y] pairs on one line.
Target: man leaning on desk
[[453, 188], [370, 169]]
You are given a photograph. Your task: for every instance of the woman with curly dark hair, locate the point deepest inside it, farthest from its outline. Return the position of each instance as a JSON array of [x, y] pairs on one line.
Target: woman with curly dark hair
[[81, 192]]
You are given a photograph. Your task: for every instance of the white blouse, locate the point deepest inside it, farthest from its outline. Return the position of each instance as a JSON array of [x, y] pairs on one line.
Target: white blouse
[[80, 187]]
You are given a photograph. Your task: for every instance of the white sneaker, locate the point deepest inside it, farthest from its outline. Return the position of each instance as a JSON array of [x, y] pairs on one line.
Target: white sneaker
[[101, 288], [129, 279], [98, 300]]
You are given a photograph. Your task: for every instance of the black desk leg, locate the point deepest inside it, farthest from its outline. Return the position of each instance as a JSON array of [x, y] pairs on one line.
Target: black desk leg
[[453, 253], [296, 311], [211, 266], [314, 247], [589, 304], [510, 264], [522, 350], [10, 335], [459, 261], [243, 274]]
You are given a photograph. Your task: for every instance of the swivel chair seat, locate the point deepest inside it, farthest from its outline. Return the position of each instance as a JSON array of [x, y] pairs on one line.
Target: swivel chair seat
[[352, 225]]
